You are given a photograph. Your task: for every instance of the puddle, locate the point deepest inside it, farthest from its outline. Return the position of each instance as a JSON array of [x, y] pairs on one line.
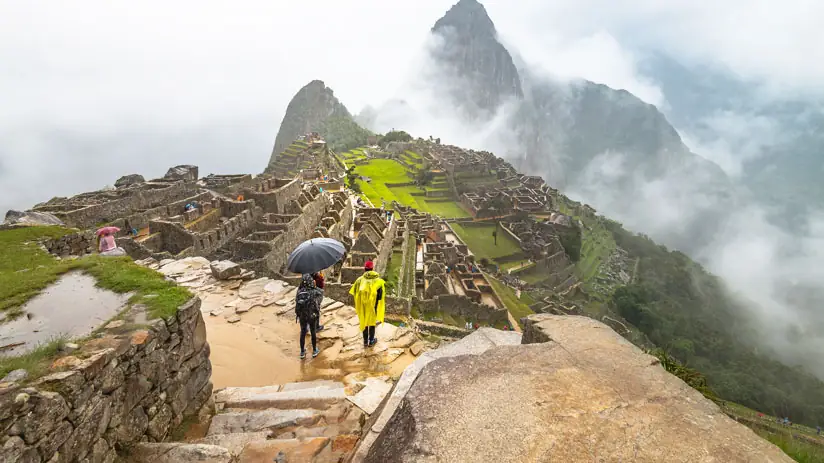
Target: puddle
[[260, 350], [73, 306]]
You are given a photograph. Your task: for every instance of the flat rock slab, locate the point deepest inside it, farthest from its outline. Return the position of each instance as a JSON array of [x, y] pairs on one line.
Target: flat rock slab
[[587, 392], [253, 288], [256, 421], [183, 265], [386, 331], [178, 452], [333, 306], [317, 397], [283, 450], [371, 396]]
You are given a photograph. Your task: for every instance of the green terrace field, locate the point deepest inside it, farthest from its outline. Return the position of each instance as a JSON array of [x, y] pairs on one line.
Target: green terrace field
[[480, 241], [388, 171]]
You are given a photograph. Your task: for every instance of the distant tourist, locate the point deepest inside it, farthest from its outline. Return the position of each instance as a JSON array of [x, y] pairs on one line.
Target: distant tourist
[[370, 303], [307, 313], [108, 247]]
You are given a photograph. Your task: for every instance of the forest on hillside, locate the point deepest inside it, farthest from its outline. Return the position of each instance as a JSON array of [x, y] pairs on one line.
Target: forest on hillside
[[687, 312]]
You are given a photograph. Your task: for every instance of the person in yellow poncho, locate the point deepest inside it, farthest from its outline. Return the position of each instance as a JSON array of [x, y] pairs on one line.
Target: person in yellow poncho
[[370, 293]]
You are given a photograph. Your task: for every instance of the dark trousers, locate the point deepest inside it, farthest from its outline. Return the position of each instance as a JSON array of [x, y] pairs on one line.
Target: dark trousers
[[311, 327], [368, 334]]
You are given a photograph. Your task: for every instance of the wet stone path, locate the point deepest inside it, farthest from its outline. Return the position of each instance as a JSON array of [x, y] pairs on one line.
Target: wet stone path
[[271, 405]]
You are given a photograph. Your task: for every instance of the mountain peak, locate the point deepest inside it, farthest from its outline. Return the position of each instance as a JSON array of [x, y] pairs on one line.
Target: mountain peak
[[309, 109], [470, 50], [468, 17]]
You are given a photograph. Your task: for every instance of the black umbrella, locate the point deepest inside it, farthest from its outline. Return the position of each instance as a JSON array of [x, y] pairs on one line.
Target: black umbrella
[[315, 255]]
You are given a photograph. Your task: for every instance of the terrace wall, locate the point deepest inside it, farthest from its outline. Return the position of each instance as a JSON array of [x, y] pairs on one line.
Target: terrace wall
[[138, 200], [299, 229], [125, 388]]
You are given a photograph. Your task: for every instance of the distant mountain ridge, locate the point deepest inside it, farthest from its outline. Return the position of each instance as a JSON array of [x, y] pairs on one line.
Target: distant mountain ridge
[[308, 110], [568, 129]]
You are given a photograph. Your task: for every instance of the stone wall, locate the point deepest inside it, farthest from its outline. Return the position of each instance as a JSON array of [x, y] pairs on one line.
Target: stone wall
[[123, 387], [73, 244], [89, 216], [385, 249], [300, 229]]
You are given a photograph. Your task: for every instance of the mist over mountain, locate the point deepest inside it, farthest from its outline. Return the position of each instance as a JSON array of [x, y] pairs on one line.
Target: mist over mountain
[[769, 140], [626, 158]]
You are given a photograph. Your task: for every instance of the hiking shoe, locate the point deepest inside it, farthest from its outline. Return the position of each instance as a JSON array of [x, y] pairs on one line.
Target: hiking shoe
[[302, 354], [320, 328], [373, 341], [315, 352]]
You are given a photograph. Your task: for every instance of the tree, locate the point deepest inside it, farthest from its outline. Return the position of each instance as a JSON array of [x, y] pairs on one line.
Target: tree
[[395, 135]]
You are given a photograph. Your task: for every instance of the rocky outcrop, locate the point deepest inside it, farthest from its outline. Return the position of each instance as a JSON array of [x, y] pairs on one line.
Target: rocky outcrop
[[471, 52], [308, 111], [575, 392], [128, 180], [117, 389], [31, 218], [187, 173]]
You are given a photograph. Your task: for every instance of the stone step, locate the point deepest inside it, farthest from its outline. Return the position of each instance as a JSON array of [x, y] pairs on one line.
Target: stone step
[[297, 395], [284, 450], [234, 442], [177, 452], [261, 420]]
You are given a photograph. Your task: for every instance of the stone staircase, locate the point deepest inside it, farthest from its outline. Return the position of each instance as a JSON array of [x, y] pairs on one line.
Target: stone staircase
[[310, 421]]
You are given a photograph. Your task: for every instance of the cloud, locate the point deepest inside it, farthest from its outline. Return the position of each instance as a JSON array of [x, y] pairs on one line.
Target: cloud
[[94, 89], [731, 138]]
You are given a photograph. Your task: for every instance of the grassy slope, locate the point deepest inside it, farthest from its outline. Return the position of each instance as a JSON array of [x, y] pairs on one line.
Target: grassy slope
[[26, 269], [519, 308], [480, 241], [383, 171]]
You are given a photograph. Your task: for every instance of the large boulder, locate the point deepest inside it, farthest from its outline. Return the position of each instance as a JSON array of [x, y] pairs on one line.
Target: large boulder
[[224, 269], [31, 218], [188, 173], [127, 180], [583, 394]]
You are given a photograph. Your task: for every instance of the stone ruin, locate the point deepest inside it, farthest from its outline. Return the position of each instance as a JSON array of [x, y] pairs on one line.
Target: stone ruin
[[373, 240], [447, 280]]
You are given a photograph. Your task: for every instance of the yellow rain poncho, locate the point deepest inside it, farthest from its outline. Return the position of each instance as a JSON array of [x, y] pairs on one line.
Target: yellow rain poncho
[[365, 290]]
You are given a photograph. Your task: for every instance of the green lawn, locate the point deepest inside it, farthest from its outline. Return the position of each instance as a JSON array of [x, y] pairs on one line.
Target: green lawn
[[383, 171], [25, 270], [519, 308], [480, 241]]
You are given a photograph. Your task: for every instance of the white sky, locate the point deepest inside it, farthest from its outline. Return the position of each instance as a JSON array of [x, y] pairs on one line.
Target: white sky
[[91, 90]]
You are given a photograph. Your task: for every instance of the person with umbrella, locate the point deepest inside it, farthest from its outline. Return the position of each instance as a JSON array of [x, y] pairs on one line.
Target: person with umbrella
[[308, 259], [307, 313], [107, 245], [369, 291]]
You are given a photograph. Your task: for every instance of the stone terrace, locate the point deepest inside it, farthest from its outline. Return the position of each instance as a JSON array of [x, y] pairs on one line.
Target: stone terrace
[[447, 279], [373, 241]]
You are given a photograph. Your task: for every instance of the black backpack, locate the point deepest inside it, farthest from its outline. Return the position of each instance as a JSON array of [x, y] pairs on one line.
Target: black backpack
[[306, 305]]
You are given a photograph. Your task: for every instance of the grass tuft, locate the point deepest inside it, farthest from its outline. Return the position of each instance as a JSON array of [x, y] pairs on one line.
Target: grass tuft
[[35, 362]]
